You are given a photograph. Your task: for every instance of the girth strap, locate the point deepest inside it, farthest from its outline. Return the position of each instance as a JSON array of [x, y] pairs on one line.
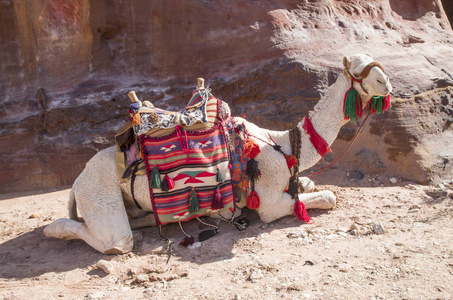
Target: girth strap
[[132, 171]]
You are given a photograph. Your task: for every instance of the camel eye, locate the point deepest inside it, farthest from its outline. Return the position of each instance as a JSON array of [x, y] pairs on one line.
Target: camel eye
[[380, 81]]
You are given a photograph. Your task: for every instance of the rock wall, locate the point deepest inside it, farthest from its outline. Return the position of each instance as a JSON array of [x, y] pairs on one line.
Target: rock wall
[[67, 67]]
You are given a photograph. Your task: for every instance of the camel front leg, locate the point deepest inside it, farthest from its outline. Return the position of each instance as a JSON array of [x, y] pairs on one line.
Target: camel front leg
[[67, 229], [100, 203], [319, 200], [275, 205]]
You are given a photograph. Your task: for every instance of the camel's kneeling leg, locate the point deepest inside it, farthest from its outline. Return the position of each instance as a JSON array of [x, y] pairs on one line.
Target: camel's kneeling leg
[[67, 229], [100, 203], [320, 200]]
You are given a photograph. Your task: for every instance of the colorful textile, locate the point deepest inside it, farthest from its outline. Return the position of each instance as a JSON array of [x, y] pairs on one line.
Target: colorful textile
[[123, 154], [194, 113], [239, 161], [191, 159]]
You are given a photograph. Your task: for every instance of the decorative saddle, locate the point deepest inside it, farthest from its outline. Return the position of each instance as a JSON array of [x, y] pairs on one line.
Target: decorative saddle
[[185, 155]]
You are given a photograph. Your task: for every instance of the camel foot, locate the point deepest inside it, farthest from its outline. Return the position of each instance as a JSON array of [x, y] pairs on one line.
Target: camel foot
[[306, 184], [319, 200], [64, 229]]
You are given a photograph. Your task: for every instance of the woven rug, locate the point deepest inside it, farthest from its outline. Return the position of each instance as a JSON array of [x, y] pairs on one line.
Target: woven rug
[[192, 159]]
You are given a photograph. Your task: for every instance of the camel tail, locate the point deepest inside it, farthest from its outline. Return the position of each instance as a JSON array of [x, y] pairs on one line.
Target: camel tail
[[72, 206]]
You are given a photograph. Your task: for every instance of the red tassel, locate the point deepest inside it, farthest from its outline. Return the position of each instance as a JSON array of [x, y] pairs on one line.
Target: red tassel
[[301, 212], [217, 202], [291, 160], [317, 141], [253, 201], [170, 182], [251, 149], [187, 241], [387, 103]]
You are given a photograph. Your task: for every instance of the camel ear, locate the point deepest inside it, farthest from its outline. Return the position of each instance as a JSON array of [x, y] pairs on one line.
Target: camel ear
[[370, 55], [346, 62]]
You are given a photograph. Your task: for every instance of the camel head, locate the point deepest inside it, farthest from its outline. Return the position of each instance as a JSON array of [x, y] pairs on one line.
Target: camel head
[[368, 82], [374, 81]]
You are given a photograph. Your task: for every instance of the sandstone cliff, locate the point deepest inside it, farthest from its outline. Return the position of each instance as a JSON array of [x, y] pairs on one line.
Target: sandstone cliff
[[68, 65]]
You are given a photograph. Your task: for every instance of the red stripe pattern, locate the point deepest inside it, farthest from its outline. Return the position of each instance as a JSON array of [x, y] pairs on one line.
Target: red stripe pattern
[[192, 159]]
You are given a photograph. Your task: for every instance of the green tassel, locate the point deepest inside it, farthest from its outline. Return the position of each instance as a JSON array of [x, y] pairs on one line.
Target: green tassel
[[352, 105], [193, 202], [377, 104], [219, 176], [154, 179]]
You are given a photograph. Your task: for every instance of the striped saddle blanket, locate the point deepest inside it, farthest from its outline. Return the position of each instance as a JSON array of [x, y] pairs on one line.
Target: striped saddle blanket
[[189, 168]]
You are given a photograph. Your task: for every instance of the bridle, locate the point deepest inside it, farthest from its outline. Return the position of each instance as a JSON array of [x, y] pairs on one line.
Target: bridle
[[363, 74]]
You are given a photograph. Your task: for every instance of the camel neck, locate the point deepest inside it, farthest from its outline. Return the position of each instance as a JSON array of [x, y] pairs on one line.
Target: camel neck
[[327, 118]]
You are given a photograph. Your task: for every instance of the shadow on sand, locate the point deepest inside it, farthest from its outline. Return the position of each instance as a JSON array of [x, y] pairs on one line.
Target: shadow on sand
[[33, 254]]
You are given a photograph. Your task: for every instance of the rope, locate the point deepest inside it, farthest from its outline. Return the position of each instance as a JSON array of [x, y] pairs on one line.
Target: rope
[[295, 141], [168, 244], [241, 225], [347, 148], [207, 224], [183, 231]]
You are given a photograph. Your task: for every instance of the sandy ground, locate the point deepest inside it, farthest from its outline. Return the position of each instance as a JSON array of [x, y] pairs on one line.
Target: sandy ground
[[340, 255]]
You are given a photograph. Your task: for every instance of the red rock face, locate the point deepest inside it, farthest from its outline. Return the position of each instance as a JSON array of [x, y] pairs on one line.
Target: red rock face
[[67, 67]]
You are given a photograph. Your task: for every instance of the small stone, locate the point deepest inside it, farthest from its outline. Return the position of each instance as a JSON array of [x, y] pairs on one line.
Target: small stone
[[300, 233], [138, 237], [308, 263], [256, 274], [36, 215], [415, 206], [415, 210], [393, 180], [370, 268], [106, 266], [355, 227], [354, 232], [154, 278], [343, 234], [98, 295], [342, 229], [194, 245], [378, 228], [263, 225], [331, 237], [172, 277], [141, 278]]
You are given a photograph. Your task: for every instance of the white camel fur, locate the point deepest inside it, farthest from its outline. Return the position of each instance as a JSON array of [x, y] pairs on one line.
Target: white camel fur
[[106, 206]]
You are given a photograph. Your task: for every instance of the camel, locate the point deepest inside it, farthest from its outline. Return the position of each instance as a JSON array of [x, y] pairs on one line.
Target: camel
[[108, 210]]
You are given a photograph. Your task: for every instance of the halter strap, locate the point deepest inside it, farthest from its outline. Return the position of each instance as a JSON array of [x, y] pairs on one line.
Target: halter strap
[[368, 67]]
